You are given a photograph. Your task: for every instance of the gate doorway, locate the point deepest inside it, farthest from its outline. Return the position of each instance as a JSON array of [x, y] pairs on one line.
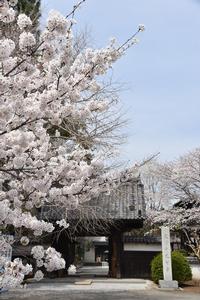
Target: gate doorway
[[91, 256]]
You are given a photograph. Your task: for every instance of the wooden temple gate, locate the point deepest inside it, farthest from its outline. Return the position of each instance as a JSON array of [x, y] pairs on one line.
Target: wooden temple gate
[[119, 212]]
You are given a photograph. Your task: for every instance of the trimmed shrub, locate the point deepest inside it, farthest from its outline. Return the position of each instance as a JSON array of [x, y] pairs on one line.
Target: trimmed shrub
[[157, 268], [183, 251], [180, 268]]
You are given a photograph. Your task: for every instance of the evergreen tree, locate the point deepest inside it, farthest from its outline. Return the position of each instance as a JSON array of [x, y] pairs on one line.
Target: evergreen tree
[[32, 9]]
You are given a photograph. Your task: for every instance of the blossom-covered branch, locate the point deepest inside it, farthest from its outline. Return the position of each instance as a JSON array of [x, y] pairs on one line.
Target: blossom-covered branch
[[49, 126]]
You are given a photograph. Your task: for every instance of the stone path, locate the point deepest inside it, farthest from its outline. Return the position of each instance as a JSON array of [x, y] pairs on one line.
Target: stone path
[[90, 284], [95, 289]]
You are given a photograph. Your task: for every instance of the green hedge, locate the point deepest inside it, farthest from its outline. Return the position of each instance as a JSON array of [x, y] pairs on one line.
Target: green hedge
[[180, 268]]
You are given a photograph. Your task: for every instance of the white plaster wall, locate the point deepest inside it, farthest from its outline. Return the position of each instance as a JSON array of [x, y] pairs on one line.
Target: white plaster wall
[[89, 256], [195, 272], [142, 247]]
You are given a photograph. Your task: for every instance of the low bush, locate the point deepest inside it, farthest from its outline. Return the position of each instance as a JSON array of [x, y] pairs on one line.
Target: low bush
[[181, 270], [183, 251]]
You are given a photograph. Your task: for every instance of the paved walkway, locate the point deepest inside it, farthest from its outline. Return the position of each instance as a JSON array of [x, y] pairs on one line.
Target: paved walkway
[[90, 284], [93, 270], [97, 295], [95, 289]]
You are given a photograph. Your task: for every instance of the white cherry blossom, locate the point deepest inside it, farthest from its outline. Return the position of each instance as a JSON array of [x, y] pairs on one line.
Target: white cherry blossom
[[49, 146], [23, 21]]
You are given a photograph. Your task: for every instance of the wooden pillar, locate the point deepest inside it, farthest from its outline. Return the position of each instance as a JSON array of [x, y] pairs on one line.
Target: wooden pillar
[[115, 254], [110, 256]]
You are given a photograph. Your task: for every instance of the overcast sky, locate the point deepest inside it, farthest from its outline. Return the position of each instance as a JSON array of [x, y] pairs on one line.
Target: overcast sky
[[162, 72]]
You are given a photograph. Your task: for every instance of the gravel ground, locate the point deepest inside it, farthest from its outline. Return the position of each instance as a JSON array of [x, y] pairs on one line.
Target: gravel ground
[[99, 289], [100, 295]]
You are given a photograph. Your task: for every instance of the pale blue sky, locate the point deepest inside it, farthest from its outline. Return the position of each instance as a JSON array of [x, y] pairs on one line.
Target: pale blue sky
[[162, 71]]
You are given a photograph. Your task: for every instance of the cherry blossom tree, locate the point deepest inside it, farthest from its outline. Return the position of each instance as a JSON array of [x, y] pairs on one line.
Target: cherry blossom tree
[[181, 179], [156, 191], [48, 126]]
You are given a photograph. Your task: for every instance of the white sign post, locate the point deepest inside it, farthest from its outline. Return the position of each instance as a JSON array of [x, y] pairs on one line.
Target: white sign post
[[168, 282]]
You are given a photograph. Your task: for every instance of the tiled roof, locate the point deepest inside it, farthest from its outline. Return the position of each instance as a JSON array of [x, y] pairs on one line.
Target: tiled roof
[[142, 239], [127, 202], [124, 203]]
